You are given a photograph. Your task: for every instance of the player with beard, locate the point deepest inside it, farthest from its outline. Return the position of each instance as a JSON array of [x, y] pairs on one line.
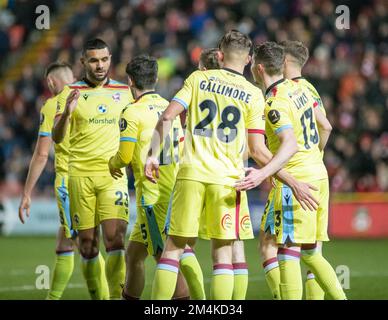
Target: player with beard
[[91, 110]]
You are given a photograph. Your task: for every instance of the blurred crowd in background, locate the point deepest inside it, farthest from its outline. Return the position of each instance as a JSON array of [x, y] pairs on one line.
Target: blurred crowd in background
[[348, 67]]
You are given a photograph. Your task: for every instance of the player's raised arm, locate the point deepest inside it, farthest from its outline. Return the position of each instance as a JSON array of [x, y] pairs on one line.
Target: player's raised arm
[[161, 131], [261, 155], [62, 121], [287, 149]]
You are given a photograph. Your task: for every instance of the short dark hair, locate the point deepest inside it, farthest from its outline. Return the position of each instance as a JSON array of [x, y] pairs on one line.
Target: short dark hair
[[271, 55], [209, 58], [297, 50], [143, 71], [56, 66], [93, 44], [235, 40]]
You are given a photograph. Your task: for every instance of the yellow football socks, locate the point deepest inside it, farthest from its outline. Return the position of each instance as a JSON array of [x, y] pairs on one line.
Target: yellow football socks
[[313, 290], [291, 286], [115, 272], [192, 272], [165, 279], [63, 270], [222, 282], [240, 271], [92, 271], [324, 273], [104, 282], [272, 276]]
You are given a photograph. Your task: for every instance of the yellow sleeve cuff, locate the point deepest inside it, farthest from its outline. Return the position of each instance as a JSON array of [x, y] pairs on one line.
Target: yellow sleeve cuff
[[124, 155]]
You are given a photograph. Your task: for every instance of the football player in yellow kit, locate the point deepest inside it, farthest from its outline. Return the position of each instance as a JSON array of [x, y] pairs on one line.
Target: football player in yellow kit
[[91, 110], [296, 57], [58, 74], [294, 140], [223, 107], [209, 60], [136, 124]]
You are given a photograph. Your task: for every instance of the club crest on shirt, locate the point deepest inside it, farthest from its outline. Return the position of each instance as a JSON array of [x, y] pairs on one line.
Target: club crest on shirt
[[116, 97], [273, 116], [102, 108]]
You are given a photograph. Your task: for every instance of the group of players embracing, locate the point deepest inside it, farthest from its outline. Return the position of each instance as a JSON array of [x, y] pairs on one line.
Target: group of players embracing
[[189, 173]]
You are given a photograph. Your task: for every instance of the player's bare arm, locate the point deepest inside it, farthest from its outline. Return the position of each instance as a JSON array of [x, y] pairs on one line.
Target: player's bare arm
[[151, 168], [60, 126], [37, 164], [261, 154], [324, 128], [255, 177]]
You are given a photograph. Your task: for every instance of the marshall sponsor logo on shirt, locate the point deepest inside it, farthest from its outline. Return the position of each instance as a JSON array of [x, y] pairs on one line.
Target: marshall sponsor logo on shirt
[[102, 109], [102, 121]]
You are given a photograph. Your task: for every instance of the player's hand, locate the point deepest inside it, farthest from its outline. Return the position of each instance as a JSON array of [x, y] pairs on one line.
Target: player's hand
[[253, 178], [25, 204], [302, 193], [114, 172], [71, 102], [151, 167]]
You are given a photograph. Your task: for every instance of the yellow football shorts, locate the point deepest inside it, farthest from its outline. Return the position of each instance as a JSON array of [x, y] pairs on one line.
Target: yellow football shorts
[[290, 222], [221, 211], [267, 219], [62, 196], [149, 227], [95, 199]]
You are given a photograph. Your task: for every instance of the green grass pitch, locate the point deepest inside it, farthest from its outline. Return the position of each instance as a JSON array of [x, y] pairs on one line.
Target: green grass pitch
[[366, 259]]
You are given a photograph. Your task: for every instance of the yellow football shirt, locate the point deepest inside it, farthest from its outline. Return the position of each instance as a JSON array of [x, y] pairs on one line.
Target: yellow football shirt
[[47, 115], [318, 101], [289, 105], [137, 124], [94, 125], [221, 105]]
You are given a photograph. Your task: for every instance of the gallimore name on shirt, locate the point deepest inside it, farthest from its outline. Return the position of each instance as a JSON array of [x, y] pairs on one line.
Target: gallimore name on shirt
[[225, 89]]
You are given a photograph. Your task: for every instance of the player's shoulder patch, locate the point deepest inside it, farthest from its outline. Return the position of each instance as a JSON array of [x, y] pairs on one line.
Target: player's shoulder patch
[[123, 124], [274, 116]]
